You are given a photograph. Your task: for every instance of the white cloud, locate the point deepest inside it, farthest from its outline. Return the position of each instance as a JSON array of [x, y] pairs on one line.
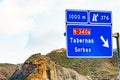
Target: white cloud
[[16, 21], [16, 16], [12, 46]]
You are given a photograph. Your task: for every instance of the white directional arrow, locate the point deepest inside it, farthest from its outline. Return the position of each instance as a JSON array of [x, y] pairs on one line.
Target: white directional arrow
[[104, 41]]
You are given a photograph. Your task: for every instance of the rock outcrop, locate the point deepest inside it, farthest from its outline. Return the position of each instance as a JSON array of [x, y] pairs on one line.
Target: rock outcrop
[[6, 70], [40, 67], [94, 68]]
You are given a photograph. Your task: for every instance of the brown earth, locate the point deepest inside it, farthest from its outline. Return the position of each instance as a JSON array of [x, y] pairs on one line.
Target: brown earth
[[6, 70], [40, 67]]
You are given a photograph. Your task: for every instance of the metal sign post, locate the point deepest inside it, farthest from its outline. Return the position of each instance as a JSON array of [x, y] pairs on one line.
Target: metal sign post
[[117, 36]]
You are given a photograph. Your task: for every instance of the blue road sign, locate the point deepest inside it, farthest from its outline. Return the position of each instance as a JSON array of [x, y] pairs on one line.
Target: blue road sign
[[76, 16], [89, 41], [100, 17], [89, 34]]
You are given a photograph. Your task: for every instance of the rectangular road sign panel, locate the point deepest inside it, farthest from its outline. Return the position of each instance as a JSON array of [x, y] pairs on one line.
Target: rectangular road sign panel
[[89, 41], [76, 16], [89, 33], [100, 17]]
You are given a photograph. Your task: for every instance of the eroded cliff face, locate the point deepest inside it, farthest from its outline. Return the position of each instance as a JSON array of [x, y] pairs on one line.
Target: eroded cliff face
[[39, 67]]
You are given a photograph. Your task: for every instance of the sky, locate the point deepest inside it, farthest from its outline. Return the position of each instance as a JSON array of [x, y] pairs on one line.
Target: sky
[[37, 26]]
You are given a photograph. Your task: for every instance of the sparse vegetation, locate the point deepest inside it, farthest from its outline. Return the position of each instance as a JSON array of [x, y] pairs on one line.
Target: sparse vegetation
[[6, 70], [95, 68], [33, 57]]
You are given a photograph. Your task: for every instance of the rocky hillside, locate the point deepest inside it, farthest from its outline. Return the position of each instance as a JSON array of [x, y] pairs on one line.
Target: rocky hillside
[[95, 68], [40, 67], [6, 70], [56, 66]]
